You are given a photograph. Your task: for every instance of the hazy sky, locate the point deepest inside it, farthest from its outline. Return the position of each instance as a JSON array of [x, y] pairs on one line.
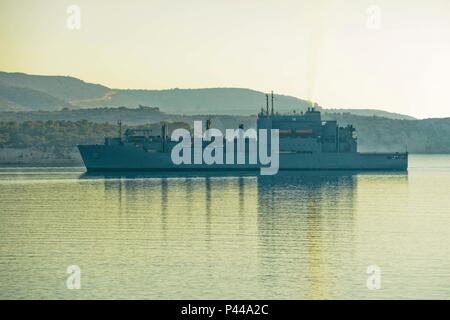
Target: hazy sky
[[337, 53]]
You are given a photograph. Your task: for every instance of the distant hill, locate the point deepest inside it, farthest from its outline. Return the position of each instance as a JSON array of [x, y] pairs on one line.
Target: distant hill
[[64, 88], [207, 101], [17, 99], [79, 94], [74, 93], [372, 112]]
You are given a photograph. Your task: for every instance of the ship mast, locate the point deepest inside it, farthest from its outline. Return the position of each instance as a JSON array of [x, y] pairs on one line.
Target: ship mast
[[272, 101], [119, 122]]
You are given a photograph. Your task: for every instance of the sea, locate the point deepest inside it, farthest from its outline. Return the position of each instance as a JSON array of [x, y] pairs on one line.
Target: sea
[[67, 234]]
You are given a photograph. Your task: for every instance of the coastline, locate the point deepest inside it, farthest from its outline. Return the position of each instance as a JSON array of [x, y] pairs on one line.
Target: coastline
[[34, 157], [75, 161], [50, 164]]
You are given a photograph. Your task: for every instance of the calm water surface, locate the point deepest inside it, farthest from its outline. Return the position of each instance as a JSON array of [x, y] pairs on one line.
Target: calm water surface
[[291, 236]]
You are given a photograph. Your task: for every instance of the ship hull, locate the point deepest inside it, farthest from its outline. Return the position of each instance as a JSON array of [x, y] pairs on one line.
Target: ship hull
[[99, 158]]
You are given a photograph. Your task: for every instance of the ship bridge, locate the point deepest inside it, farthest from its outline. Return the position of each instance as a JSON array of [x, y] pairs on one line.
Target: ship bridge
[[305, 132]]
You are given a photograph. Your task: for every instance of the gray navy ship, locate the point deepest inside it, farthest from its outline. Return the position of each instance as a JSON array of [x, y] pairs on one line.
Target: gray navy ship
[[305, 143]]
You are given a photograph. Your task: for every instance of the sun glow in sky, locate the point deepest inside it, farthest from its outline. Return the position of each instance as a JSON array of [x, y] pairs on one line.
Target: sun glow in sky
[[384, 54]]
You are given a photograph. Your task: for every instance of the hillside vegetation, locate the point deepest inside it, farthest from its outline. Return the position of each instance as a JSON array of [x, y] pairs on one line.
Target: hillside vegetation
[[375, 134], [379, 134], [61, 134]]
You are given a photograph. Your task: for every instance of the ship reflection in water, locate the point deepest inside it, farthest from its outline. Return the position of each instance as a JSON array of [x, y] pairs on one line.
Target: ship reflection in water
[[274, 232], [295, 235]]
